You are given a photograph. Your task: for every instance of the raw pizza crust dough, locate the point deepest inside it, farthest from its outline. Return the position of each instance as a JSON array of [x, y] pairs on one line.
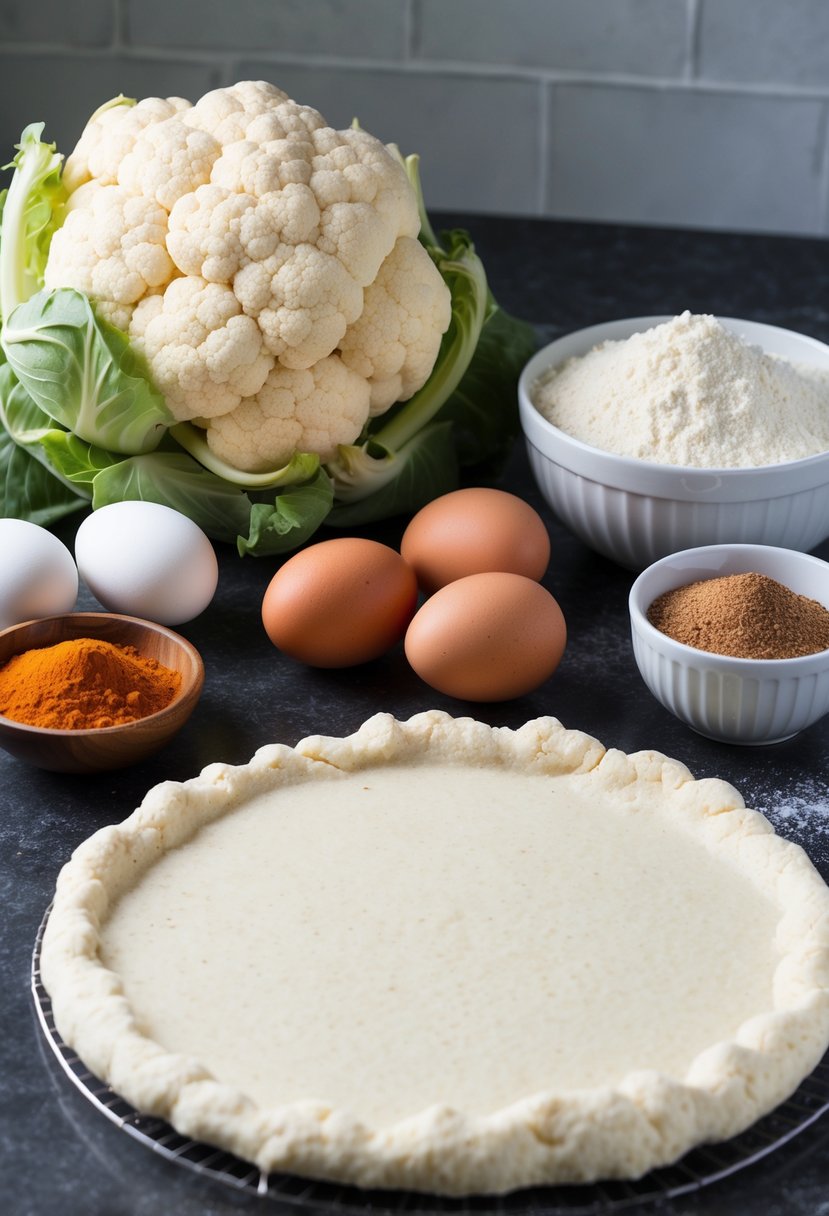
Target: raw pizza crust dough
[[447, 957]]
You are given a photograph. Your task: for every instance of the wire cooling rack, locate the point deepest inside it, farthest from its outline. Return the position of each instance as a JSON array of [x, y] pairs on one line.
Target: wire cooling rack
[[697, 1169]]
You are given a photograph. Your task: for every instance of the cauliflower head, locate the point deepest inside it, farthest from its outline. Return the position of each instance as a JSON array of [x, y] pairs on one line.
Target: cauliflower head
[[265, 264]]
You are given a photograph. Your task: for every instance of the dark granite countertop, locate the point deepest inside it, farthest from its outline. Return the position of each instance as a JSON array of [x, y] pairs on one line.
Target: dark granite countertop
[[59, 1155]]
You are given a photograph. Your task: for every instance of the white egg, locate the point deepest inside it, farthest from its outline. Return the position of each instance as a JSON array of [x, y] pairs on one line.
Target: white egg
[[147, 560], [37, 574]]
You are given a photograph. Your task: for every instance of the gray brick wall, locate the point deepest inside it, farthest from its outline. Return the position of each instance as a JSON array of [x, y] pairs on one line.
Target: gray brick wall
[[711, 113]]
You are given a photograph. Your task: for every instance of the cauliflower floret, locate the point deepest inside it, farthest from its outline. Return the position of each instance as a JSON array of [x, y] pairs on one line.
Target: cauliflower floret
[[214, 232], [303, 299], [109, 136], [396, 340], [241, 240], [208, 233], [204, 354], [311, 410], [353, 167], [112, 246], [231, 114], [260, 168], [167, 160], [355, 205], [118, 315]]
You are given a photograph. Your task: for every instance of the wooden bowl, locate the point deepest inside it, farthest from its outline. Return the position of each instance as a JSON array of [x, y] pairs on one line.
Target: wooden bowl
[[87, 751]]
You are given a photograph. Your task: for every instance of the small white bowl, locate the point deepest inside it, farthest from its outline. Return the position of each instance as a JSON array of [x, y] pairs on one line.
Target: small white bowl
[[732, 700], [635, 511]]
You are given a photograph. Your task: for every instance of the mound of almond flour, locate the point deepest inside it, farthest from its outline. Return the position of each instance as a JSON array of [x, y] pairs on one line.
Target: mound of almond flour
[[689, 392]]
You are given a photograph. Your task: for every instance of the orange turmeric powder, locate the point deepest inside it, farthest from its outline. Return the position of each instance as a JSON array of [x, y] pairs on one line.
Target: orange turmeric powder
[[84, 683]]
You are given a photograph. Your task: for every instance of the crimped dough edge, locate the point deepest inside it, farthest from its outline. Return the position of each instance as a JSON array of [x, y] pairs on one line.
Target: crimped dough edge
[[566, 1136]]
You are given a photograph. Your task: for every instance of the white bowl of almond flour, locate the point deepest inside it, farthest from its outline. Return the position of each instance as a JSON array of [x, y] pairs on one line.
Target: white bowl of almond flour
[[734, 639], [656, 434]]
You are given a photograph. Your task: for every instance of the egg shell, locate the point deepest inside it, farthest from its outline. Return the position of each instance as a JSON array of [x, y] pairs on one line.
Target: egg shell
[[472, 531], [38, 576], [340, 602], [487, 637], [147, 560]]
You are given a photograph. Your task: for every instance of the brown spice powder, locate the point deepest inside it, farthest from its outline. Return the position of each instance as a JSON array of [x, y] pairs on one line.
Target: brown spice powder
[[747, 616]]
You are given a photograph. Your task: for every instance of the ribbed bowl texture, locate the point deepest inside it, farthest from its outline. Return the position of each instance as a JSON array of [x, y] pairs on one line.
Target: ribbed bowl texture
[[747, 701], [635, 511]]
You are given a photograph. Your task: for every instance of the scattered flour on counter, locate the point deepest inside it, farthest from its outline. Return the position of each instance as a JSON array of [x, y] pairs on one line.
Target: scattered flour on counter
[[689, 392], [800, 812]]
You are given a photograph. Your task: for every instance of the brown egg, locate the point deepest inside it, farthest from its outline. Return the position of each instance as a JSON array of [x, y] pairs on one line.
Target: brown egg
[[340, 602], [473, 531], [487, 637]]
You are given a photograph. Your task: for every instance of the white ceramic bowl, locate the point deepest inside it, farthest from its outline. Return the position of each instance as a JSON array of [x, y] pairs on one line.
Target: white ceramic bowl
[[635, 511], [732, 700]]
